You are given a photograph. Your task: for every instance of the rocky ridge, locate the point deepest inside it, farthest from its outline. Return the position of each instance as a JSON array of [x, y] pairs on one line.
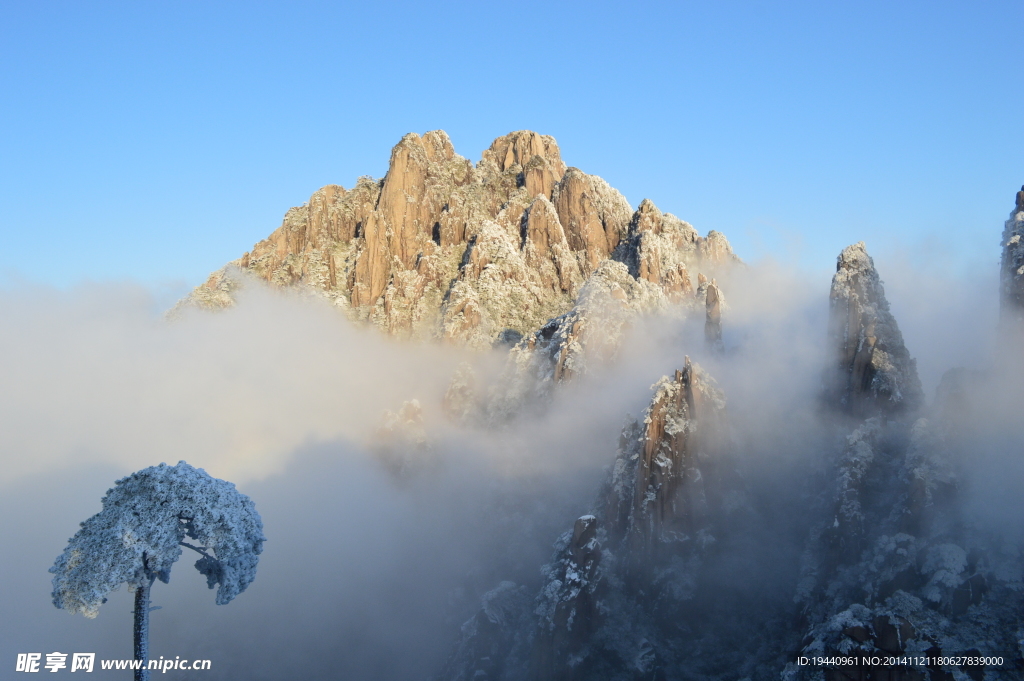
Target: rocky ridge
[[890, 564], [441, 248]]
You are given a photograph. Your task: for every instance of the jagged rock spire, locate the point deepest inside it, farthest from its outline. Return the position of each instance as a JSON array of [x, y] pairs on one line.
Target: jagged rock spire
[[1012, 272], [713, 316], [658, 493], [873, 370]]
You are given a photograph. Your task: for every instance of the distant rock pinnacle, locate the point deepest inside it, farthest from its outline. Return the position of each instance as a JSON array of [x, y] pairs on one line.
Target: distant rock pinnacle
[[1012, 271], [874, 371], [636, 555], [713, 316]]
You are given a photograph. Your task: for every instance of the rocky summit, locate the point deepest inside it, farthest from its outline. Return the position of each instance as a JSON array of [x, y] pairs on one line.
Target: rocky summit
[[473, 254], [874, 369]]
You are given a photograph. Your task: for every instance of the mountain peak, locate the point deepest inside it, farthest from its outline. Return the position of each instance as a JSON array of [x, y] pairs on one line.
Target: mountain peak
[[1012, 270], [873, 371], [440, 248]]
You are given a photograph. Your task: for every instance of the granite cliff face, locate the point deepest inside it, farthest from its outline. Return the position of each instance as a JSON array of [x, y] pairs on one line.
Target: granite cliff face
[[441, 248]]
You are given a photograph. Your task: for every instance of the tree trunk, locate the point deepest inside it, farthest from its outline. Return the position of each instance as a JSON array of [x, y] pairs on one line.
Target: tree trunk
[[141, 630]]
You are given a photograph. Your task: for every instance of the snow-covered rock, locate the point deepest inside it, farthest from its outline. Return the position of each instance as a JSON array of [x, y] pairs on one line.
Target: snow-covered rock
[[1012, 270], [874, 371], [441, 248]]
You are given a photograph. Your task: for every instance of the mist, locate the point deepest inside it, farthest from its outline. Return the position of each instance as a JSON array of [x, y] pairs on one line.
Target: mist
[[369, 573]]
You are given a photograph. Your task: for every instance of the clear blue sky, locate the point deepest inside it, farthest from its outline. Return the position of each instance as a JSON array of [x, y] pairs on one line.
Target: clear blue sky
[[155, 141]]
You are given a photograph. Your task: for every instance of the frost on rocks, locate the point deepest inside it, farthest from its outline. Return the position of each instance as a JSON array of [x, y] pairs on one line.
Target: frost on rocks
[[589, 335], [660, 493], [638, 554], [943, 564], [892, 562], [854, 465], [874, 371], [146, 519], [1012, 269], [714, 302], [566, 346], [892, 568], [442, 249], [660, 248]]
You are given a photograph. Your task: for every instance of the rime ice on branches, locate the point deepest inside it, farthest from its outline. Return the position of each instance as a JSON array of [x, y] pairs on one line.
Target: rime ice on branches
[[146, 519]]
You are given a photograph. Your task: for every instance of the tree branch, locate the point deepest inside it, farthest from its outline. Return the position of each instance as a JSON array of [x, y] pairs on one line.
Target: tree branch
[[198, 549]]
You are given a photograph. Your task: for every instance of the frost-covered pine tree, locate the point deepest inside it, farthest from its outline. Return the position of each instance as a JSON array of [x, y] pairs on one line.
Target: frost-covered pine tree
[[139, 534]]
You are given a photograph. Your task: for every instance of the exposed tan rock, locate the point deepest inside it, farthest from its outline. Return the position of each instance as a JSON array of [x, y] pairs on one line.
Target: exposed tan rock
[[536, 155], [497, 290], [892, 564], [541, 226], [518, 148], [660, 247], [419, 180], [676, 282], [646, 218], [649, 257], [571, 344], [442, 249], [547, 250], [594, 215], [650, 520], [715, 248], [216, 293], [668, 498]]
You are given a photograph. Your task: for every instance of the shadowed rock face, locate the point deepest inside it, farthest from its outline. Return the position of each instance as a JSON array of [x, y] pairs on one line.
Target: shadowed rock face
[[441, 248], [1012, 270], [892, 565], [874, 371], [884, 561], [635, 556]]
